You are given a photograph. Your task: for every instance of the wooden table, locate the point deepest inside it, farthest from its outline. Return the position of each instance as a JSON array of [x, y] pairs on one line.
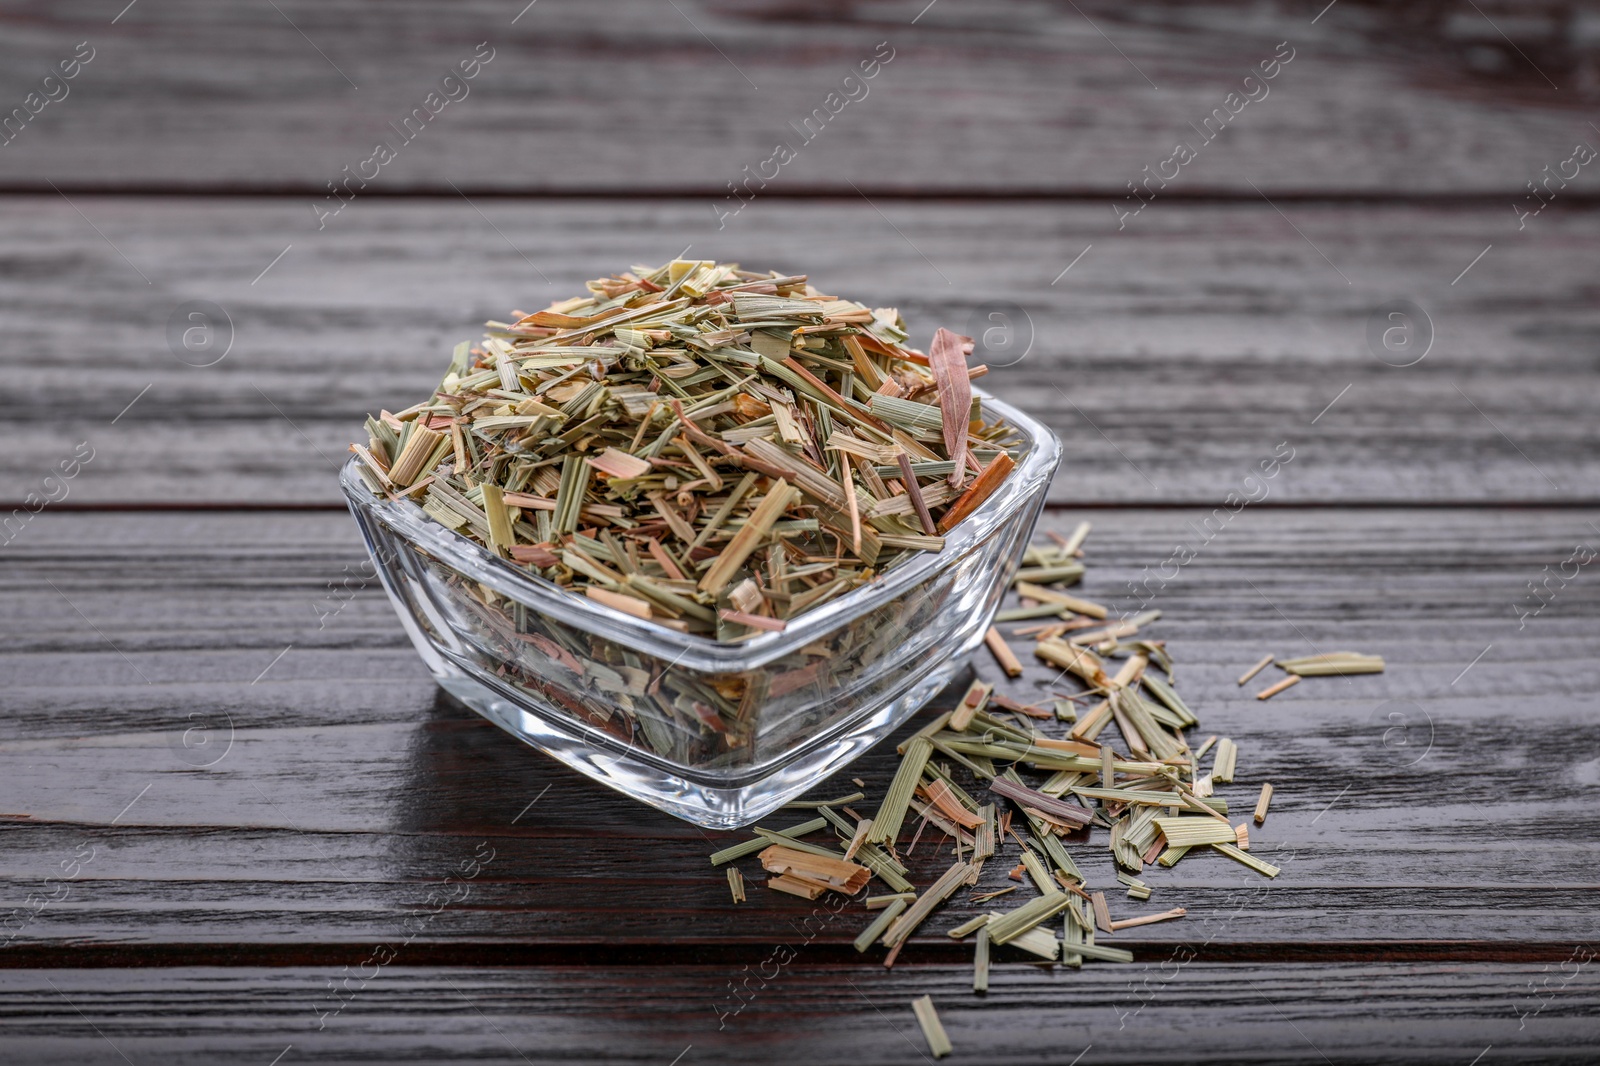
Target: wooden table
[[226, 779]]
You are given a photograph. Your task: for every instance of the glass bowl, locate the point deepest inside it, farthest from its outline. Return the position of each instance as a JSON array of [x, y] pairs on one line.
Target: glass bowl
[[718, 734]]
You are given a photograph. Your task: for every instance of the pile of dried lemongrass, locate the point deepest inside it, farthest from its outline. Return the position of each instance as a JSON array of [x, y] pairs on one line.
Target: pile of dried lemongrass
[[709, 448], [1149, 790]]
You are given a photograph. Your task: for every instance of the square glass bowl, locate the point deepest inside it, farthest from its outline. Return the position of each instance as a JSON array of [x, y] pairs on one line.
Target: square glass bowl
[[716, 734]]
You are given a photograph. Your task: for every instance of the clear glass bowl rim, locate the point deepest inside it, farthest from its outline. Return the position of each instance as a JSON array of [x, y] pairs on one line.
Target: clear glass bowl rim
[[1042, 452]]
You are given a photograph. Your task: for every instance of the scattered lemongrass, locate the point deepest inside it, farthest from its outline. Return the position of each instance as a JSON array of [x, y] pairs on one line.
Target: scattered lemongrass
[[1273, 689], [1333, 663], [854, 797], [750, 847], [1150, 919], [892, 810], [1075, 539], [932, 1030], [1249, 860], [1013, 924], [1184, 832], [1102, 913], [936, 894], [838, 874], [985, 897], [971, 926], [1054, 596], [1225, 763], [874, 932], [1244, 678], [976, 696], [1261, 804], [1104, 954], [1002, 653]]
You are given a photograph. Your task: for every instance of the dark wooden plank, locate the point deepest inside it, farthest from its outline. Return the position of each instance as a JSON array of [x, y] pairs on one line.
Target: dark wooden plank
[[351, 788], [806, 1012], [1171, 360], [1044, 97]]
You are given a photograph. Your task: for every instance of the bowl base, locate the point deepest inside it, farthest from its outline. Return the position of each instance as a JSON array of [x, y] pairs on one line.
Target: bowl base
[[702, 801]]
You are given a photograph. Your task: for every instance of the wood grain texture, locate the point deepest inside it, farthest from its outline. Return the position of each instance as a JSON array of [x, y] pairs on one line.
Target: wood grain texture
[[1043, 97], [227, 783], [1172, 358], [323, 794], [806, 1012]]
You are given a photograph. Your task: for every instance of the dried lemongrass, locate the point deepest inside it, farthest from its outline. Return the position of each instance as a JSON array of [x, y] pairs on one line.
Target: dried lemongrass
[[1260, 866], [1154, 799], [1066, 604], [985, 897], [1261, 804], [1244, 678], [936, 894], [617, 601], [1002, 652], [795, 885], [874, 932], [750, 847], [1223, 765], [1092, 950], [944, 799], [1036, 870], [839, 875], [1333, 663], [858, 838], [839, 801], [1065, 573], [1038, 941], [1138, 797], [932, 1030], [1148, 919], [1272, 690], [1102, 913], [1021, 794], [892, 810], [798, 845], [711, 422], [988, 480], [1137, 889], [971, 926], [1013, 924], [1071, 544], [977, 695], [947, 359], [1187, 832]]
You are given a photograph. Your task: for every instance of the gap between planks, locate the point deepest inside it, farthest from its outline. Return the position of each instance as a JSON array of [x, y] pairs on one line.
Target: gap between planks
[[930, 952], [891, 194]]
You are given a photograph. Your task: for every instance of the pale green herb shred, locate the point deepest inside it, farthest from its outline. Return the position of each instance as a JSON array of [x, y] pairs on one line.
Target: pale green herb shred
[[750, 847], [938, 1043], [892, 811], [872, 933]]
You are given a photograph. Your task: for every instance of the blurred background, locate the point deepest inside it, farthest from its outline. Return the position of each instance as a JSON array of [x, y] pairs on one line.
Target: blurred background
[[340, 215]]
